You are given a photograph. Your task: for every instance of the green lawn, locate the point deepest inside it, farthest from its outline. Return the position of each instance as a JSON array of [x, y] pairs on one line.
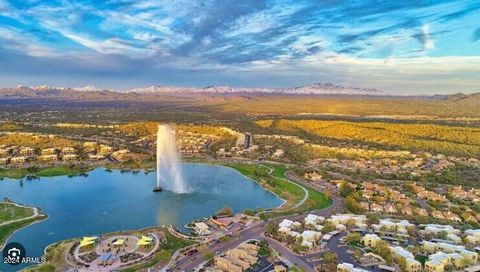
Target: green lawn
[[61, 171], [421, 258], [9, 212], [44, 172], [278, 170], [7, 230], [14, 173], [276, 183]]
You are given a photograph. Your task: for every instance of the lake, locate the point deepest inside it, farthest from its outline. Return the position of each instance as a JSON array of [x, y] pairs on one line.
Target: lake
[[110, 201]]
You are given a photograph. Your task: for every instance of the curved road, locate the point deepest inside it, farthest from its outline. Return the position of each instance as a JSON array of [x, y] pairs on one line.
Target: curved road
[[256, 231]]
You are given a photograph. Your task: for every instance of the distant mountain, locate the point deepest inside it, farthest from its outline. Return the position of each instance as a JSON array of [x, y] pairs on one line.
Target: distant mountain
[[90, 88], [313, 89], [155, 92]]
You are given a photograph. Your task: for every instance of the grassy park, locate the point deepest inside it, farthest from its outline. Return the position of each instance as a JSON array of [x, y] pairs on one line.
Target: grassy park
[[290, 191], [19, 173], [9, 212]]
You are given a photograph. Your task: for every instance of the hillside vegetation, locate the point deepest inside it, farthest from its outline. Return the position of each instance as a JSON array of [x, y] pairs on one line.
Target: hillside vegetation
[[412, 107], [141, 129], [35, 141], [449, 140]]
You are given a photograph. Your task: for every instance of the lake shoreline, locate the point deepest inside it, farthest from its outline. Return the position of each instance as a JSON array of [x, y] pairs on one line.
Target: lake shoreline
[[36, 218]]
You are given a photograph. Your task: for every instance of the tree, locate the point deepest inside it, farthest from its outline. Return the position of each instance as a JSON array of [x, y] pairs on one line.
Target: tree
[[345, 189], [328, 193], [373, 219], [328, 227], [402, 262], [351, 223], [353, 237], [206, 252], [383, 249], [352, 204], [272, 228], [249, 212], [225, 211], [330, 261]]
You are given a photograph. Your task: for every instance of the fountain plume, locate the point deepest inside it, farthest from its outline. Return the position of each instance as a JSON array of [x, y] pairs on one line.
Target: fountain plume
[[169, 174]]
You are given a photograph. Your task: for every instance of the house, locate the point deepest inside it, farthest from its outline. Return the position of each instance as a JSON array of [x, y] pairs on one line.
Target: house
[[26, 151], [370, 240], [48, 151], [88, 145], [95, 157], [452, 217], [438, 261], [469, 256], [436, 229], [70, 157], [4, 160], [313, 220], [68, 150], [105, 149], [278, 153], [399, 226], [5, 151], [473, 236], [48, 158], [289, 224], [226, 265], [19, 160], [310, 238], [412, 265], [360, 220]]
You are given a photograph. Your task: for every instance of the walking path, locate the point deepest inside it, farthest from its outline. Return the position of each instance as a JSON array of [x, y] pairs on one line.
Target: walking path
[[35, 214], [305, 197]]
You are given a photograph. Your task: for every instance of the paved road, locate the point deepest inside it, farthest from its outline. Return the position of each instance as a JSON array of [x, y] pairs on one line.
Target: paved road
[[256, 230]]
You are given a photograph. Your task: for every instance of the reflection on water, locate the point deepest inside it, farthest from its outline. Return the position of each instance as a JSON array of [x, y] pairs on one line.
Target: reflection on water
[[109, 201]]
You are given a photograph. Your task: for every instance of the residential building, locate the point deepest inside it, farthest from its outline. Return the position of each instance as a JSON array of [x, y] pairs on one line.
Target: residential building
[[105, 149], [48, 151], [436, 229], [4, 160], [48, 158], [359, 219], [68, 150], [438, 261], [432, 247], [400, 226], [412, 265], [95, 157], [70, 157], [26, 151], [473, 236], [370, 240], [19, 160]]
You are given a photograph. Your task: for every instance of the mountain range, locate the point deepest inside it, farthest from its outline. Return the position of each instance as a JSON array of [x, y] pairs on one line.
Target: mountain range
[[92, 93]]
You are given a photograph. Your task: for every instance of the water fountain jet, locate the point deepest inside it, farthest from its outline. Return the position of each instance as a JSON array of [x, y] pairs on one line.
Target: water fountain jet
[[169, 174]]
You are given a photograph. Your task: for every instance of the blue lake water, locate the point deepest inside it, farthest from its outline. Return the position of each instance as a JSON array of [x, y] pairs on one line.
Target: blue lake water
[[110, 201]]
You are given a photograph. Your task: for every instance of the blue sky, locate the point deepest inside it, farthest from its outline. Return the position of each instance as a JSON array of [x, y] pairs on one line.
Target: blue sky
[[401, 47]]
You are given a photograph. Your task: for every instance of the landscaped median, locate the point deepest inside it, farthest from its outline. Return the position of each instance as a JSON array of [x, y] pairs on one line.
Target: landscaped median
[[14, 216], [272, 177]]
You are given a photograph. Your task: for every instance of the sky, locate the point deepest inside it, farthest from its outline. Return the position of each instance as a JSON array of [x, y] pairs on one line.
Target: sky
[[399, 47]]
